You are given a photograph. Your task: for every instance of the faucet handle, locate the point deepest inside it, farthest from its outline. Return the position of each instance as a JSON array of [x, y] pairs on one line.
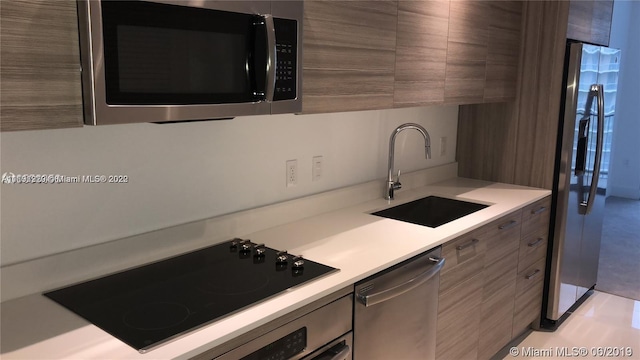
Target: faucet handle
[[396, 184]]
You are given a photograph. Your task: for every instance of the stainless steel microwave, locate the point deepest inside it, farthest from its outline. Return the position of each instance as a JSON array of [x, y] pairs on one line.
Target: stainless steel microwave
[[166, 61]]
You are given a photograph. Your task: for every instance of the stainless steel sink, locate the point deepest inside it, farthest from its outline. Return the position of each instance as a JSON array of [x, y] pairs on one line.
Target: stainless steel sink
[[431, 211]]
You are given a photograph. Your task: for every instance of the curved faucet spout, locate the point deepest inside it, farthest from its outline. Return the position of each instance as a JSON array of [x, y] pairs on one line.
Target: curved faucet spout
[[395, 184]]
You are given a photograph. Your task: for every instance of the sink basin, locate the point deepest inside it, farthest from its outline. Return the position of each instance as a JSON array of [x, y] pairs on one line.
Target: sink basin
[[431, 211]]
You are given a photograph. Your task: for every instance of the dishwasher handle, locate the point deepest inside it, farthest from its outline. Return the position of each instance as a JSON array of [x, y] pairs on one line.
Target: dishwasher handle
[[388, 294]]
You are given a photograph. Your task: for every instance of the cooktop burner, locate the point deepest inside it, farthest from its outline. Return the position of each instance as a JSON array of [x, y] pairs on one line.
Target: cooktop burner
[[150, 304]]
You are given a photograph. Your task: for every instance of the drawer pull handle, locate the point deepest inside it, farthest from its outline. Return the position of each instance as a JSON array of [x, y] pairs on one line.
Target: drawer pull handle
[[539, 211], [470, 243], [535, 243], [534, 273], [509, 225]]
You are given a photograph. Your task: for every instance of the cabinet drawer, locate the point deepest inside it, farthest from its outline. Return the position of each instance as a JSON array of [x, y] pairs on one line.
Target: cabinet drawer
[[532, 249], [527, 308], [528, 296], [464, 259], [529, 277], [536, 216], [503, 237]]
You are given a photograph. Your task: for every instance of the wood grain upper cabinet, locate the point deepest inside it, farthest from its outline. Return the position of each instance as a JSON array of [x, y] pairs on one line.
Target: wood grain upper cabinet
[[590, 21], [483, 51], [40, 65], [421, 52], [468, 42], [349, 55], [503, 53]]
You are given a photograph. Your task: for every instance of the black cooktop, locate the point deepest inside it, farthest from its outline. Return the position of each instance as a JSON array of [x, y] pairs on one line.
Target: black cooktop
[[150, 304]]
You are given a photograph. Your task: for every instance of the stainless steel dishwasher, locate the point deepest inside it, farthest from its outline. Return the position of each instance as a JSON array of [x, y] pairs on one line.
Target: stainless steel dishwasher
[[395, 311]]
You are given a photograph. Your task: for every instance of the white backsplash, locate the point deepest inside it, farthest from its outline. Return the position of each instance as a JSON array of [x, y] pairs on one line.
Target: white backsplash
[[50, 272], [179, 173]]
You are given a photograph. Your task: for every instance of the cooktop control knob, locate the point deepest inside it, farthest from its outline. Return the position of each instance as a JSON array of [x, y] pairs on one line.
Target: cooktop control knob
[[282, 257], [298, 262], [234, 243], [259, 250], [245, 245], [297, 266], [245, 249], [281, 260]]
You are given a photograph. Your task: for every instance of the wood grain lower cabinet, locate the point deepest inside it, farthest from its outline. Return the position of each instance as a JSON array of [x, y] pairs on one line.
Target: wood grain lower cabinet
[[477, 289], [499, 284], [458, 326], [349, 55], [491, 284], [531, 264], [528, 301], [460, 297], [40, 65]]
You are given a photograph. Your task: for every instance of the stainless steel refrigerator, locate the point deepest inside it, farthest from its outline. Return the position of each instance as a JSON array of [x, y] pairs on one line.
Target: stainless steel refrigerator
[[581, 172]]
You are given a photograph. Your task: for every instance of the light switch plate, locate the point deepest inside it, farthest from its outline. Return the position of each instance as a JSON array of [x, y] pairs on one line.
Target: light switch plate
[[443, 146]]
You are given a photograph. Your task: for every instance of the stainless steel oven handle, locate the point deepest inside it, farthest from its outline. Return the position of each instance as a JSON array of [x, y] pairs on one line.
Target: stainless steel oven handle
[[272, 58], [340, 355], [388, 294], [588, 205]]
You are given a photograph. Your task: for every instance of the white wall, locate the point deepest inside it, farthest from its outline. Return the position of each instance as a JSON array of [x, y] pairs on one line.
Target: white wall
[[625, 157], [185, 172]]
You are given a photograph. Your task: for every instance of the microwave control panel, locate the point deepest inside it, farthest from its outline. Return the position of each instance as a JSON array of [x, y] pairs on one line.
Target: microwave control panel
[[286, 59]]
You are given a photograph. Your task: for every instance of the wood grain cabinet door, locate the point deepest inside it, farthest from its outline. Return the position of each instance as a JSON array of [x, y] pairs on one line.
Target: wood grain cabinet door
[[349, 55], [499, 275], [467, 46], [39, 65], [503, 50], [421, 52], [590, 21]]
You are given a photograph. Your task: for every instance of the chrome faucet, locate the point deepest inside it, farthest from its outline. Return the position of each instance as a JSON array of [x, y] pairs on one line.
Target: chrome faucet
[[395, 184]]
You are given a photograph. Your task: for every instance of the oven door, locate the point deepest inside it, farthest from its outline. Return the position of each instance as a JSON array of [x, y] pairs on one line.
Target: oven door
[[174, 60]]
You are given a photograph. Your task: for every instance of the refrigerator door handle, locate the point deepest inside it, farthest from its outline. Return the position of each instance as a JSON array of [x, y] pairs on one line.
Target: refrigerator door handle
[[581, 150], [583, 133], [586, 206]]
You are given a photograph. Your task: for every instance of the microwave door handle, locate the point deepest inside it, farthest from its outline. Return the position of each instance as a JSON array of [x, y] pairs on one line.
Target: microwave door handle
[[271, 58], [588, 205]]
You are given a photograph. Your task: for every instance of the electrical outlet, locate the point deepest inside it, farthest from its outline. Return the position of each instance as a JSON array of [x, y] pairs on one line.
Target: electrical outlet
[[292, 173], [443, 146], [316, 168]]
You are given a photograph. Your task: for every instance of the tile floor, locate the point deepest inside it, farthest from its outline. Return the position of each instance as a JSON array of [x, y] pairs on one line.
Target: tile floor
[[603, 320]]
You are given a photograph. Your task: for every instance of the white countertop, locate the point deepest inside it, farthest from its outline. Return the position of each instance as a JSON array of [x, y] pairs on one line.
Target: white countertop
[[350, 239]]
